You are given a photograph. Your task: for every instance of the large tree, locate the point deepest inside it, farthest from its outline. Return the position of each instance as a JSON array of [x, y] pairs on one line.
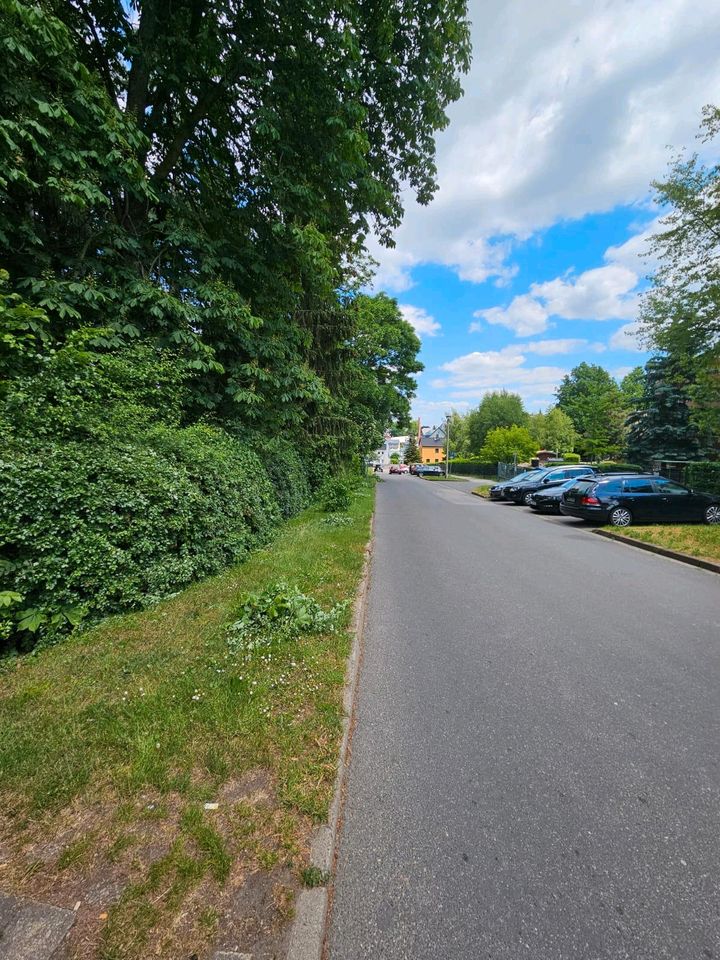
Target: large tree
[[497, 409], [592, 400], [661, 426], [680, 314], [506, 444], [204, 173]]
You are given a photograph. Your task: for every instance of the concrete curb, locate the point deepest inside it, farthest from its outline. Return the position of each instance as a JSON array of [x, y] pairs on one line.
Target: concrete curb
[[307, 936], [661, 551]]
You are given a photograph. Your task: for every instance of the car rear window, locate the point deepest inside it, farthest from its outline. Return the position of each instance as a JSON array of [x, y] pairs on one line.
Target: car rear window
[[582, 486]]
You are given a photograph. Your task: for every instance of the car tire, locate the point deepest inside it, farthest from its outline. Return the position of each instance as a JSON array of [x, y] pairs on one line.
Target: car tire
[[712, 513], [526, 499], [620, 517]]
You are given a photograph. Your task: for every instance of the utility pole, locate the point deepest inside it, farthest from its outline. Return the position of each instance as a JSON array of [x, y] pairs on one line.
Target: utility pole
[[447, 445]]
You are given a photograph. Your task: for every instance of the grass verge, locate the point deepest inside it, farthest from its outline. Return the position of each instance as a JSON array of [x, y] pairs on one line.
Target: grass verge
[[483, 492], [150, 774], [693, 539], [444, 479]]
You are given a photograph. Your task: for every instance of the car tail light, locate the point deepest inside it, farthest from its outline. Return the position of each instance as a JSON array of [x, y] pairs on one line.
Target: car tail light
[[592, 501]]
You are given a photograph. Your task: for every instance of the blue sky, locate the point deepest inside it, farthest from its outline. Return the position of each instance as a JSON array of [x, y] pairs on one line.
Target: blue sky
[[529, 260]]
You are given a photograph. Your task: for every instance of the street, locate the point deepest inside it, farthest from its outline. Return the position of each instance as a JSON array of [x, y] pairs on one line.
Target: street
[[535, 765]]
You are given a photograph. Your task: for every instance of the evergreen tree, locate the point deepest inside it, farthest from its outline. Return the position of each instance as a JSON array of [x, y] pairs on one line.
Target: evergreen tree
[[412, 453], [661, 428]]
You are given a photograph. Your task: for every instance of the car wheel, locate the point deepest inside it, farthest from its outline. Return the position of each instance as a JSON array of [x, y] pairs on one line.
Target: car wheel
[[712, 514], [527, 499], [620, 517]]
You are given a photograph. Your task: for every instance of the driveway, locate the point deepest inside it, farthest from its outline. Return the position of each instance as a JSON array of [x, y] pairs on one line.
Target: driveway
[[536, 762]]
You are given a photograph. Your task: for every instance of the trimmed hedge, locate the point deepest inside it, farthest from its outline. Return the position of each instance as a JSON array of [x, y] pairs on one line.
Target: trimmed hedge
[[609, 467], [89, 529], [704, 476], [474, 468]]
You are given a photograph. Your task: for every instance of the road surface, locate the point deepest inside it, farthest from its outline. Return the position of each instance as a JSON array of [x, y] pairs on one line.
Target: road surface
[[536, 763]]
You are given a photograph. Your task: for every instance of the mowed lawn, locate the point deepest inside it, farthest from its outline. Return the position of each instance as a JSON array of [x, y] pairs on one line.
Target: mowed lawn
[[162, 785], [694, 539]]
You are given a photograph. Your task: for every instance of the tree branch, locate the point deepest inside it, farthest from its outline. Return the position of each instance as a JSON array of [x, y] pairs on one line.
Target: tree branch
[[102, 61]]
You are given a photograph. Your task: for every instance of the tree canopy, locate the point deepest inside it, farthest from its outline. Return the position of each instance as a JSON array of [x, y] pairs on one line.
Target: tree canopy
[[496, 409]]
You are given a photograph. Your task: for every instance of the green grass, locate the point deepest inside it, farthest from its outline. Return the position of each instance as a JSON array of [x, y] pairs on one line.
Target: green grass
[[444, 479], [483, 492], [694, 539], [146, 717]]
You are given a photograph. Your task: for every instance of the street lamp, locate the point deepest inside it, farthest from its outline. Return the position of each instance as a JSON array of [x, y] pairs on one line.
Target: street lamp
[[447, 445]]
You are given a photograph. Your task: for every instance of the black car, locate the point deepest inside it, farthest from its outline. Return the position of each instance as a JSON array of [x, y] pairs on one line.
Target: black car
[[497, 492], [521, 491], [622, 500], [429, 470], [547, 499]]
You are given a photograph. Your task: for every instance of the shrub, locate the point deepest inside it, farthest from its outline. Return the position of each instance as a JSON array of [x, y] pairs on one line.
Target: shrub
[[704, 476], [571, 458], [89, 529], [334, 494], [473, 467], [607, 466], [287, 474]]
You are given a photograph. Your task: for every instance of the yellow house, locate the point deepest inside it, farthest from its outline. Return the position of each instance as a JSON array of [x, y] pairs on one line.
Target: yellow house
[[431, 445]]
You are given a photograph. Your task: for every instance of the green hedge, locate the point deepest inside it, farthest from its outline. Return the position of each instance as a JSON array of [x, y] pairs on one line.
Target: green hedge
[[474, 468], [608, 466], [704, 476], [89, 529], [287, 474]]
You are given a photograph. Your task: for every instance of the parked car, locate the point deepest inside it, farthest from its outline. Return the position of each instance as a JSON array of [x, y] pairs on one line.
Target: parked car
[[399, 468], [497, 492], [547, 499], [428, 469], [521, 491], [622, 500]]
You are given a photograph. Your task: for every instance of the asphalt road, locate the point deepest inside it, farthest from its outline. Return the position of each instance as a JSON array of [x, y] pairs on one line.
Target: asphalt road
[[536, 763]]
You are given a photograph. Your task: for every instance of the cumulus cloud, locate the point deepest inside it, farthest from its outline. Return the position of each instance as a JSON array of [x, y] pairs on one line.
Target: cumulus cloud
[[571, 113], [610, 292], [468, 377], [422, 322], [525, 315], [627, 338]]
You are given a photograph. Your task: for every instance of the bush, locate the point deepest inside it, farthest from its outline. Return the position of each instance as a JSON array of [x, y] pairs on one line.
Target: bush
[[704, 476], [287, 474], [88, 529], [474, 468], [571, 458], [607, 466], [335, 494]]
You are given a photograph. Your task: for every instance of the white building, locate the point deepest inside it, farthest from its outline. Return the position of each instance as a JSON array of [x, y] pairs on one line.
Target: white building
[[392, 445]]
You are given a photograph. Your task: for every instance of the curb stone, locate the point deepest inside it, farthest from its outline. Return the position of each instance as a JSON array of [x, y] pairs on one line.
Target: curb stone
[[307, 936], [30, 930], [660, 551]]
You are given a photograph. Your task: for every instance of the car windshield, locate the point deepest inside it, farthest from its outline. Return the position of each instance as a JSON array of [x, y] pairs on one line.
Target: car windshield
[[524, 476]]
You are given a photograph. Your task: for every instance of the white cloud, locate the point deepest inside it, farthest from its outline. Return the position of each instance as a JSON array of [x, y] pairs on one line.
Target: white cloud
[[468, 377], [422, 322], [549, 348], [600, 294], [524, 315], [610, 292], [627, 338], [569, 109]]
